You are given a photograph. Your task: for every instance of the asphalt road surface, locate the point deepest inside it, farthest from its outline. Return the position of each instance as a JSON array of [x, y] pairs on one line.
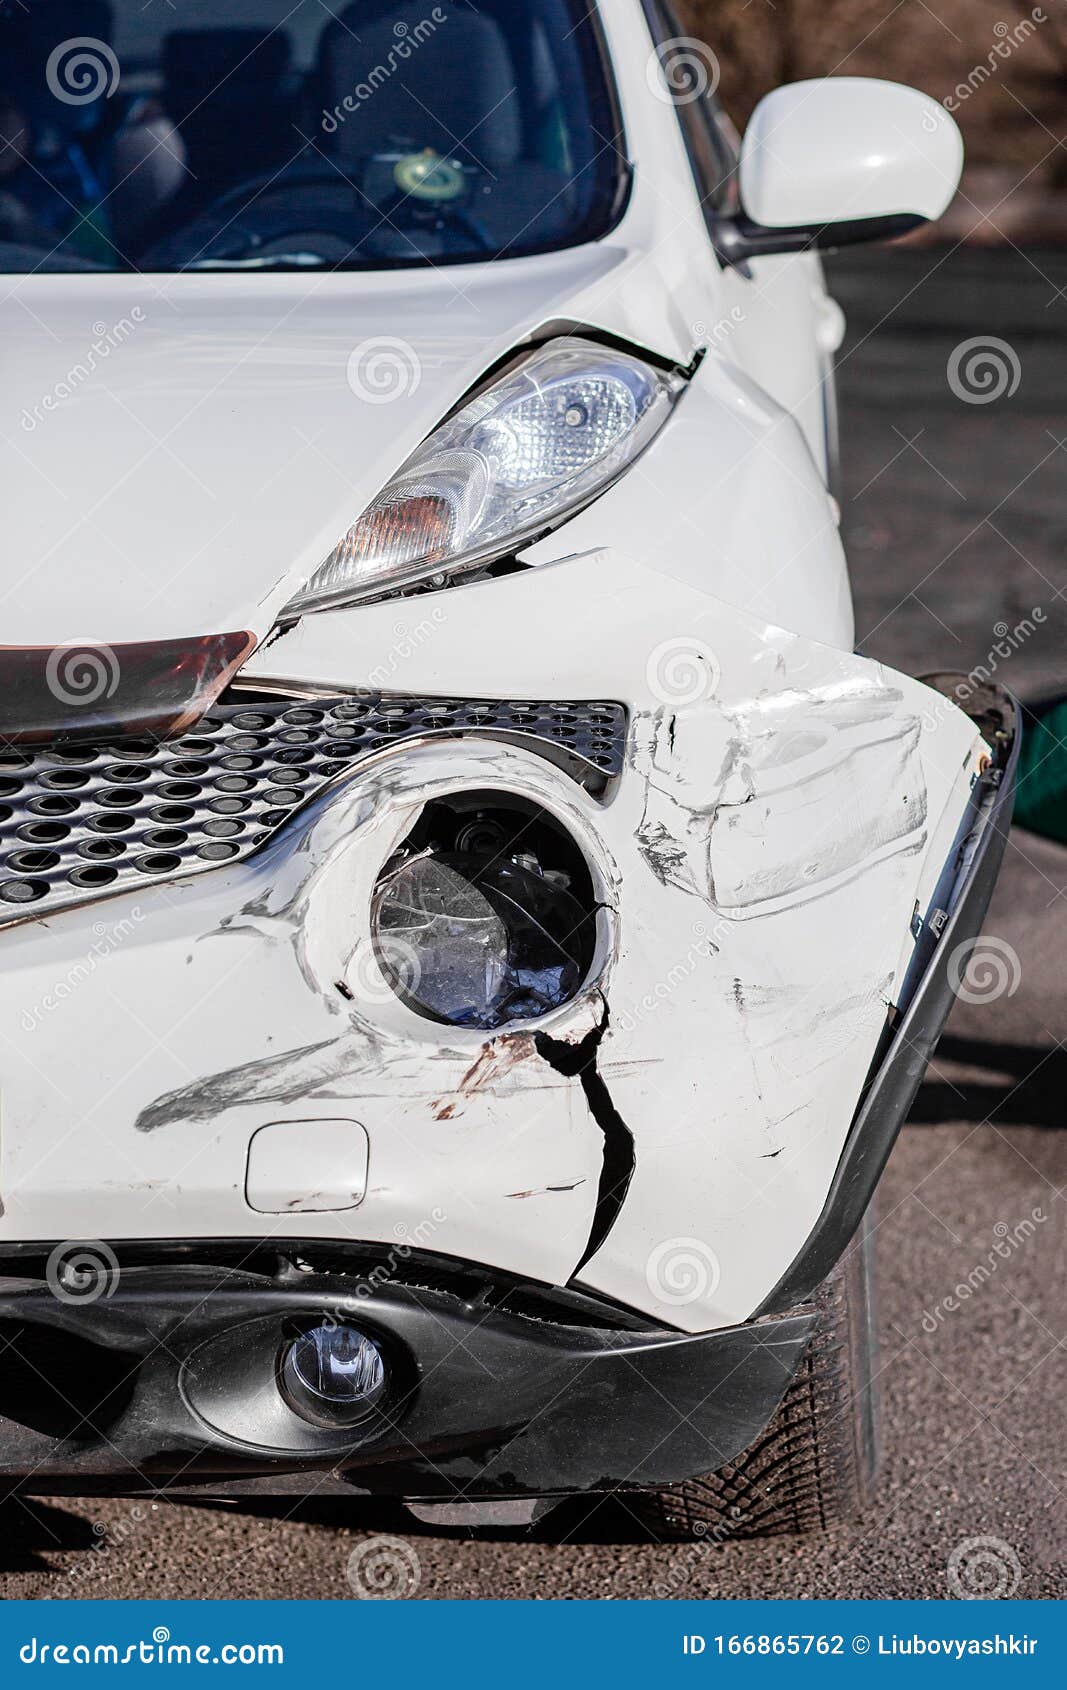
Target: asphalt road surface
[[957, 521]]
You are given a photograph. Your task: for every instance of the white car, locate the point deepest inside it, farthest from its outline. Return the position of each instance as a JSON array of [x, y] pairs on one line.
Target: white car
[[472, 927]]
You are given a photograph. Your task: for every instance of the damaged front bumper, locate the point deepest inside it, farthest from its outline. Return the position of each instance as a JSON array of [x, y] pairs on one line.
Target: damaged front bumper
[[497, 1389], [782, 844]]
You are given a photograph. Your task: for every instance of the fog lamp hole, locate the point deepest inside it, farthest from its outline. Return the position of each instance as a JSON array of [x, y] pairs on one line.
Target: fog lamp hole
[[486, 915]]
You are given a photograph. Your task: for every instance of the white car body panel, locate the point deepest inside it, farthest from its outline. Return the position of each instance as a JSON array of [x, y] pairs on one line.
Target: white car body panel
[[738, 1031], [785, 807], [207, 462]]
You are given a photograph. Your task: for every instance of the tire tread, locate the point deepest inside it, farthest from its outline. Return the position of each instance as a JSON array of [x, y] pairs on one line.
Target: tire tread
[[814, 1464]]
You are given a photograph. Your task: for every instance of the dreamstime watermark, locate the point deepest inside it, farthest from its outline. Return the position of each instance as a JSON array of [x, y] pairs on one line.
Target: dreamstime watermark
[[683, 70], [384, 1569], [110, 1539], [984, 369], [155, 1651], [82, 1272], [1009, 1239], [681, 1271], [959, 692], [1009, 38], [984, 969], [982, 1569], [409, 1239], [82, 672], [407, 40], [106, 340], [706, 1538], [384, 368], [383, 970], [1007, 641], [704, 945], [407, 641], [720, 331], [683, 672], [107, 940], [82, 69]]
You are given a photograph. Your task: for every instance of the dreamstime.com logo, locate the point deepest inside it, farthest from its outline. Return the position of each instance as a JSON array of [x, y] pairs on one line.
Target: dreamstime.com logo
[[982, 1569], [984, 969], [107, 338], [106, 941], [408, 1239], [384, 1569], [383, 369], [1006, 1241], [82, 672], [82, 69], [158, 1650], [983, 370], [704, 945], [682, 1270], [407, 640], [385, 970], [1007, 39], [683, 70], [406, 41], [82, 1272], [1007, 640], [683, 672]]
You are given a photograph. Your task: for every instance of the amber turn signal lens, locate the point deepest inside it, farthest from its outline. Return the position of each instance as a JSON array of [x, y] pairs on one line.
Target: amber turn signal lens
[[399, 532]]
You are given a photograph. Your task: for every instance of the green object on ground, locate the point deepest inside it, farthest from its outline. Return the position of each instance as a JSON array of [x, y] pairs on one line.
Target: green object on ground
[[1041, 798]]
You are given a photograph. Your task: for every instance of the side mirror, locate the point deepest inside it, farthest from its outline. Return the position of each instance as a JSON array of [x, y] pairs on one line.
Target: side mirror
[[841, 159]]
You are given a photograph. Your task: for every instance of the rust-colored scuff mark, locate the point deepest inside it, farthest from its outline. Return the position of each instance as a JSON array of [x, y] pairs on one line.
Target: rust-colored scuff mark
[[495, 1059]]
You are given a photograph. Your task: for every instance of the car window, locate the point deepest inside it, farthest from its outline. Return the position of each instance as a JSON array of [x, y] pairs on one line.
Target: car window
[[692, 75], [255, 134]]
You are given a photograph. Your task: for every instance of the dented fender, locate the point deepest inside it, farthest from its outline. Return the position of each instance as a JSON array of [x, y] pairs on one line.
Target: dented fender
[[762, 868]]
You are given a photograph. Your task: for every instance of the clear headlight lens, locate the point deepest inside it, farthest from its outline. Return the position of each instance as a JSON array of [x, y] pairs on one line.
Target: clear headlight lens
[[528, 452]]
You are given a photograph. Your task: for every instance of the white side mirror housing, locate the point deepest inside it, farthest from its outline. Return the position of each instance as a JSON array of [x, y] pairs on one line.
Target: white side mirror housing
[[848, 150]]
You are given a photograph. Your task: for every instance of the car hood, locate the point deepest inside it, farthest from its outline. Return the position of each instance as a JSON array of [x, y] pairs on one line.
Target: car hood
[[181, 452]]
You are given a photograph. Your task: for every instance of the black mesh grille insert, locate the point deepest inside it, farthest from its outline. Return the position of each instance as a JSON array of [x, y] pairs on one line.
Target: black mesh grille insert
[[79, 821]]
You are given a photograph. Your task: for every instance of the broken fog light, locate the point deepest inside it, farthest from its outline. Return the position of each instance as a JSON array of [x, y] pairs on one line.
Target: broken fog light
[[491, 921], [333, 1375]]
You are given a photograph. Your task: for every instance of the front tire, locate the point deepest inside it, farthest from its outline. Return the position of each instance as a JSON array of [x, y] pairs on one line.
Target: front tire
[[815, 1463]]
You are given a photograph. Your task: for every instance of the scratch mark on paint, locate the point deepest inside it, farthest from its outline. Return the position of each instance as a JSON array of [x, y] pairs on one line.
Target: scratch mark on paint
[[546, 1190], [284, 1078]]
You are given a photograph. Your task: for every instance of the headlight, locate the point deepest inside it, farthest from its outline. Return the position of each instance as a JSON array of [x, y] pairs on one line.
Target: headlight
[[529, 451]]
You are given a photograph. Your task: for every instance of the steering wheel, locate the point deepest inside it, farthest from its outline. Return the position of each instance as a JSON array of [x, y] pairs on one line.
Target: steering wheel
[[405, 211], [247, 220], [321, 203]]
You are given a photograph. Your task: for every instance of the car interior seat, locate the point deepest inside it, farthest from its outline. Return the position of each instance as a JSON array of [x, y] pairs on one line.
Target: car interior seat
[[228, 93], [454, 91], [458, 92]]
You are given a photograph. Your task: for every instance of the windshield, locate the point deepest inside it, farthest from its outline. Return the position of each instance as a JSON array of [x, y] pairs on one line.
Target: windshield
[[243, 135]]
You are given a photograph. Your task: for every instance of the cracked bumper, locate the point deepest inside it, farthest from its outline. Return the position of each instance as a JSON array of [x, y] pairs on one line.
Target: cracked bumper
[[766, 867], [167, 1382]]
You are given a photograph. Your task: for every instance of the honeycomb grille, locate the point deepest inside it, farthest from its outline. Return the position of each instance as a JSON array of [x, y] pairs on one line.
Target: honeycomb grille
[[83, 821]]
